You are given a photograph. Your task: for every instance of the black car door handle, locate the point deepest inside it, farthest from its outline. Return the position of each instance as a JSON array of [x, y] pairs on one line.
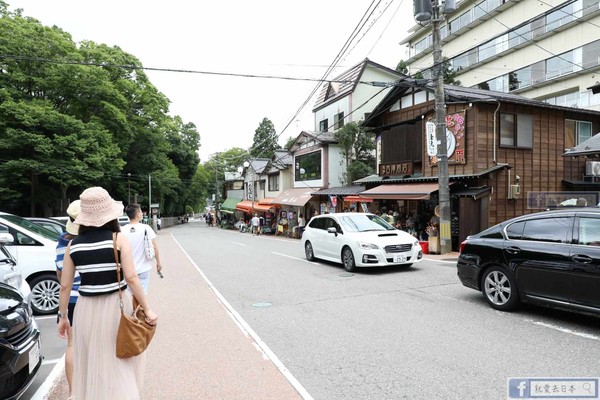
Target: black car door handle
[[513, 250], [581, 259]]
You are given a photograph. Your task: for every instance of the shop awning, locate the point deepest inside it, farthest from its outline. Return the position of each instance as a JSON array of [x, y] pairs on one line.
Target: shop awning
[[357, 199], [249, 206], [295, 197], [407, 191], [267, 201], [229, 204]]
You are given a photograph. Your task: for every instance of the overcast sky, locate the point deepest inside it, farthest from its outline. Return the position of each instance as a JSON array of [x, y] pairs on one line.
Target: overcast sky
[[296, 39]]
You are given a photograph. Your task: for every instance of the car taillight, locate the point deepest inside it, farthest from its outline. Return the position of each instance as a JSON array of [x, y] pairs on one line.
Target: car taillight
[[462, 246]]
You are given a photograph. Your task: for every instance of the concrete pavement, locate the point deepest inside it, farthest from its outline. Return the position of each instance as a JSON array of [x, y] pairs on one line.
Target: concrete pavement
[[202, 349]]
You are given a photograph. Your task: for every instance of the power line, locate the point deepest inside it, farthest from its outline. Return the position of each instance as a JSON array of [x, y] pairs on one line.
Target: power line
[[177, 70]]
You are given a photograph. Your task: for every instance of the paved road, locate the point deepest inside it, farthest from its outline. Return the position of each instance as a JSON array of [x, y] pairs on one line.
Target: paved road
[[257, 321]]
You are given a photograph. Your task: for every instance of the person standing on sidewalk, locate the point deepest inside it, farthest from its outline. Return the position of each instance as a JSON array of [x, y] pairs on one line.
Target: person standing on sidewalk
[[61, 246], [137, 234], [97, 372]]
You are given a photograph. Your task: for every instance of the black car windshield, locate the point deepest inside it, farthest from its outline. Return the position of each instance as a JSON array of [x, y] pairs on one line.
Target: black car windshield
[[364, 223], [30, 226]]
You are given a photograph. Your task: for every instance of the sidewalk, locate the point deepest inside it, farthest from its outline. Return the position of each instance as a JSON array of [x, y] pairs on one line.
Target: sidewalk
[[202, 349]]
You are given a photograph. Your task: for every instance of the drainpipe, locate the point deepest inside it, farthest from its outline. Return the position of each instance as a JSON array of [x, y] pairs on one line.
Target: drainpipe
[[495, 115]]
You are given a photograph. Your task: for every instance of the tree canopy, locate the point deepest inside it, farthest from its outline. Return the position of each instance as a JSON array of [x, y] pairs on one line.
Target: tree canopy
[[265, 140], [357, 150], [71, 116]]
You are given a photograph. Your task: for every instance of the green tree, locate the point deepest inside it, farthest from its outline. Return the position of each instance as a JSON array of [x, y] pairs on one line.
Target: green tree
[[265, 140], [66, 126], [357, 147]]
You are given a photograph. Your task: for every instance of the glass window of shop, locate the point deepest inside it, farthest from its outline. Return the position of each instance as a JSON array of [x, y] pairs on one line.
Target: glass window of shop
[[308, 166]]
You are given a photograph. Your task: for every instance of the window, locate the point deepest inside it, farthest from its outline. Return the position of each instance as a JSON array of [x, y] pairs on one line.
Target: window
[[338, 121], [589, 231], [516, 130], [308, 166], [261, 185], [273, 183], [515, 231], [554, 230], [323, 126], [576, 132]]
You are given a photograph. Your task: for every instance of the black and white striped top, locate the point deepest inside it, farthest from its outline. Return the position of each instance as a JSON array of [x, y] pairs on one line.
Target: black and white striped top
[[94, 259]]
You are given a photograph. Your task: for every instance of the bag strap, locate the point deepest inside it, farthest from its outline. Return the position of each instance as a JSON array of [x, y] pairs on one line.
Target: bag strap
[[118, 270]]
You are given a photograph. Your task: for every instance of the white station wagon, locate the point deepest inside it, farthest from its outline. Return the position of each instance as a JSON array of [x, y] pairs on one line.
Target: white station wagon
[[359, 240]]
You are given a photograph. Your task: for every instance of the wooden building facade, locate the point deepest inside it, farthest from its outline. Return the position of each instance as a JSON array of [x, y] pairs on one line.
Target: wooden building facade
[[505, 151]]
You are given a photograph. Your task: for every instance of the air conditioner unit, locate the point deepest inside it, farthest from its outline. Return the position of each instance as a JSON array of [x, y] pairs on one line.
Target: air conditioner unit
[[514, 191], [592, 168]]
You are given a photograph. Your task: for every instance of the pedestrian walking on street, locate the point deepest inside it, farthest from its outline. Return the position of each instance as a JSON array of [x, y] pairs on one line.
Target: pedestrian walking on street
[[97, 372], [138, 233], [61, 246]]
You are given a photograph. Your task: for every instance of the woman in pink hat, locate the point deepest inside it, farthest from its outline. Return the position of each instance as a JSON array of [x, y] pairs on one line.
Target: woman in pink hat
[[97, 372]]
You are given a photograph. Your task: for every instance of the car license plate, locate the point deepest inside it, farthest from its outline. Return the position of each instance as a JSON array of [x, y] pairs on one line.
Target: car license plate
[[34, 356], [399, 258]]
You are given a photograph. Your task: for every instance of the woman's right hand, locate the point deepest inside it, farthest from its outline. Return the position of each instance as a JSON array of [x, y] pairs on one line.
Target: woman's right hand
[[151, 317]]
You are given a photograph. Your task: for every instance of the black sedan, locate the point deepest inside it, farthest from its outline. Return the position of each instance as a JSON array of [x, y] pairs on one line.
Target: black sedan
[[20, 357], [550, 258]]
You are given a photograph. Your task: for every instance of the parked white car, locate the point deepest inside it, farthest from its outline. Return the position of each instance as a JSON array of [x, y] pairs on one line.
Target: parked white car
[[34, 249], [9, 270], [359, 240]]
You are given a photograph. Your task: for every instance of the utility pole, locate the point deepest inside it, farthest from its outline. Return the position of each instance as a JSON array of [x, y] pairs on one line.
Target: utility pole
[[429, 10]]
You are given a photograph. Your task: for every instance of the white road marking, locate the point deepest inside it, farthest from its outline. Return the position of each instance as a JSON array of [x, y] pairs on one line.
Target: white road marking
[[564, 330], [55, 375], [295, 258], [54, 361], [238, 243], [248, 331], [442, 261]]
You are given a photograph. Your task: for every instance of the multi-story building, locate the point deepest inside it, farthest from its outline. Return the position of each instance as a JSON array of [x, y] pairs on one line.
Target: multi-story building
[[545, 50]]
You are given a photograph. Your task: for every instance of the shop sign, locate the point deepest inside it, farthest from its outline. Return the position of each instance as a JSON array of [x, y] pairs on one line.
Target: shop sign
[[432, 143], [455, 139], [392, 169]]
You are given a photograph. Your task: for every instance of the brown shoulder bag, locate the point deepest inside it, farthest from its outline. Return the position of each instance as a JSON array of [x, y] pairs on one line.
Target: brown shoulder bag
[[134, 334]]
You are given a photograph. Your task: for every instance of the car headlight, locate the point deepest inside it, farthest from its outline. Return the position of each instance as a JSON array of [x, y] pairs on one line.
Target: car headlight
[[367, 246], [415, 243]]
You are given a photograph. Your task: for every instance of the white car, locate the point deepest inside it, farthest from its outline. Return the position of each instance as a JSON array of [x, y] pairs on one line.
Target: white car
[[359, 240], [34, 249], [9, 271]]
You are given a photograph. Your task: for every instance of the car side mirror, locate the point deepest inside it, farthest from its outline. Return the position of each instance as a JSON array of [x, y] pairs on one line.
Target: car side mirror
[[6, 238], [332, 229]]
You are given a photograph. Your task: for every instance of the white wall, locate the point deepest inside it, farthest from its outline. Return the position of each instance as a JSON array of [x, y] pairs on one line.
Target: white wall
[[337, 166]]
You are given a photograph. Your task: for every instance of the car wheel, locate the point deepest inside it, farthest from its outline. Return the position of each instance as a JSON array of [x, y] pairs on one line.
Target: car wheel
[[348, 259], [308, 250], [500, 289], [44, 294]]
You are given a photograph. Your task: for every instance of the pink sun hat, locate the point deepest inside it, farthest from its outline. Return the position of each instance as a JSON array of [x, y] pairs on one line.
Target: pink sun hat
[[97, 207]]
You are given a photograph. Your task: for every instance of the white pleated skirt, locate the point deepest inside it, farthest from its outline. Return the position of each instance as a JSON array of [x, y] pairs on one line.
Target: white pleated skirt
[[98, 374]]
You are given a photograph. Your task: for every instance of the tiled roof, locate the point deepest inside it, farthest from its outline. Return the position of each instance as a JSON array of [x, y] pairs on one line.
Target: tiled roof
[[341, 191], [463, 94], [345, 83], [590, 146]]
